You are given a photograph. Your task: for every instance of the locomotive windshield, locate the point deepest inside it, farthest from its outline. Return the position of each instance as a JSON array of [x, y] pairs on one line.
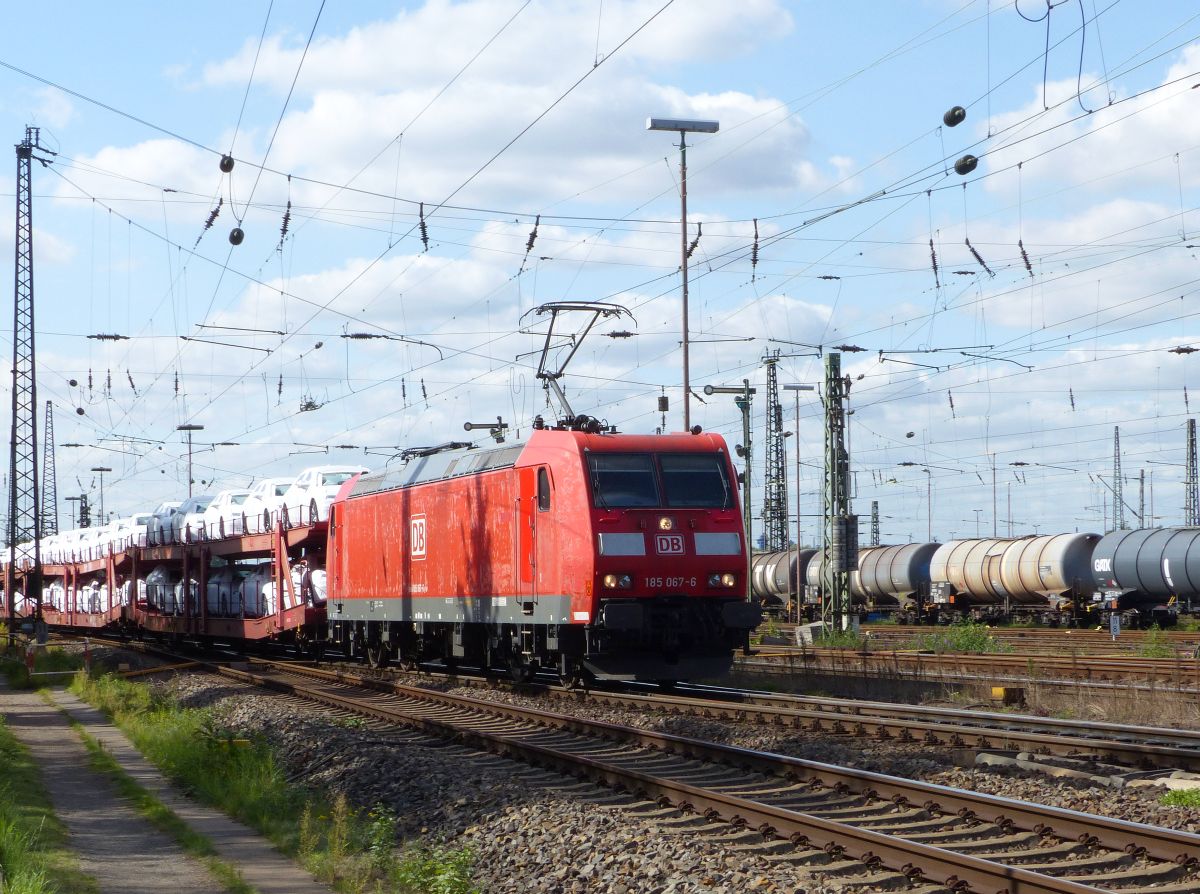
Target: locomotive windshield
[[695, 481], [645, 480], [623, 480]]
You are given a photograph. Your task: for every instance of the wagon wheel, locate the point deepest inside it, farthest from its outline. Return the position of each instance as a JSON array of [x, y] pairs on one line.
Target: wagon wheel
[[308, 646]]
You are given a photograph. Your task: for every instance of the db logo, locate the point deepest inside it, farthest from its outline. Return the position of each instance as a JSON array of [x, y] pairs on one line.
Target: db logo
[[669, 544], [417, 542]]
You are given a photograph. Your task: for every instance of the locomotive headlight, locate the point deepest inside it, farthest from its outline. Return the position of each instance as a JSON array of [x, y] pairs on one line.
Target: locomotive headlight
[[665, 524], [617, 581], [728, 580], [714, 580]]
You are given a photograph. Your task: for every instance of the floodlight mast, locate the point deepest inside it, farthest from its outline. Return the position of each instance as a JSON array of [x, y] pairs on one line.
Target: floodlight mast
[[684, 126]]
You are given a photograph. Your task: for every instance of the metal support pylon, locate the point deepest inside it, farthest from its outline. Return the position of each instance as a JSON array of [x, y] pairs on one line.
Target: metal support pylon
[[49, 520], [775, 509], [23, 508], [840, 541], [1191, 497]]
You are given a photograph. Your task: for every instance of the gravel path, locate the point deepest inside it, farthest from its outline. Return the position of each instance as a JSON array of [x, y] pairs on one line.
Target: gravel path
[[540, 832], [123, 852]]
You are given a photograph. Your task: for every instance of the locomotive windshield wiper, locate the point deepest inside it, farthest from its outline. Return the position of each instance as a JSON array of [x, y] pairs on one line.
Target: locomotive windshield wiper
[[597, 492]]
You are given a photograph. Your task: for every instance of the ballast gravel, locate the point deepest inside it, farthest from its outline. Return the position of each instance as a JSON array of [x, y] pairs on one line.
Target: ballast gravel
[[535, 831]]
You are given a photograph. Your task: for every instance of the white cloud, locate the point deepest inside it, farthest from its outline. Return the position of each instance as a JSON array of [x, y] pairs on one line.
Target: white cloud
[[55, 109]]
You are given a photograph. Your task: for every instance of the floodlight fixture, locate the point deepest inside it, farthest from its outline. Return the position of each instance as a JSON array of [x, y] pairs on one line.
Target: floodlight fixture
[[686, 125]]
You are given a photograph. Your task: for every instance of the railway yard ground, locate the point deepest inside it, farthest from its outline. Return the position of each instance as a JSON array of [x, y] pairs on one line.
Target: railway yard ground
[[461, 799]]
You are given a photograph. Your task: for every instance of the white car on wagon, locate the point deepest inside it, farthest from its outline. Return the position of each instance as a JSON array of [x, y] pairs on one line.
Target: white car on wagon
[[263, 505], [308, 499], [223, 516]]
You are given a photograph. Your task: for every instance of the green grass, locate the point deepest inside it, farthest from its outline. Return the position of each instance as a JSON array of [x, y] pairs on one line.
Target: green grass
[[965, 637], [1181, 798], [33, 842], [1155, 644], [840, 639], [354, 850], [46, 659]]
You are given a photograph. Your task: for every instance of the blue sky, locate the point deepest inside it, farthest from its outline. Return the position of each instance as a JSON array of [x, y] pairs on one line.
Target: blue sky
[[492, 113]]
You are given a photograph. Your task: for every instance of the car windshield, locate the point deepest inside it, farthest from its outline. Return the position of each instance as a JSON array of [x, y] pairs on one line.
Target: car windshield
[[281, 489], [238, 499], [674, 480], [331, 478]]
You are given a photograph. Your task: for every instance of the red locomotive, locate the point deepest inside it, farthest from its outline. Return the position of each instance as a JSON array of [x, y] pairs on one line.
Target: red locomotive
[[596, 554]]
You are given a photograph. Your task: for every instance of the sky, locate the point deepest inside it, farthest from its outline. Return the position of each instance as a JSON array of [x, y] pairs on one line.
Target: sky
[[432, 174]]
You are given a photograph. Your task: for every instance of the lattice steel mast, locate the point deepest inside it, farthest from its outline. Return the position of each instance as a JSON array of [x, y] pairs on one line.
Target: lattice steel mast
[[840, 543], [23, 508], [1191, 495], [49, 484], [1118, 498], [775, 510]]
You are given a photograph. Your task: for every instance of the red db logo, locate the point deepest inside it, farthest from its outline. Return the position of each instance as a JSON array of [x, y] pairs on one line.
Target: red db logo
[[669, 544], [417, 535]]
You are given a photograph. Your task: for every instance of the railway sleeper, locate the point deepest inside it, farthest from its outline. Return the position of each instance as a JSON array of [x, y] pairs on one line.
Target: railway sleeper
[[951, 836], [1018, 841]]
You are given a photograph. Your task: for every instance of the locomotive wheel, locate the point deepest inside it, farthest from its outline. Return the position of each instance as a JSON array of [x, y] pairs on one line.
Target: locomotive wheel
[[377, 655], [571, 675], [520, 670]]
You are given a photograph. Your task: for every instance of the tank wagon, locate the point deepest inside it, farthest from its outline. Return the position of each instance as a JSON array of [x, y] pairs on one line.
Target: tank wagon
[[1148, 575], [995, 578], [776, 578], [887, 577], [605, 555]]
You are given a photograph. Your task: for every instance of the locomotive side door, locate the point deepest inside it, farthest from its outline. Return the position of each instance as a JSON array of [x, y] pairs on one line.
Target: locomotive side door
[[526, 539], [536, 562]]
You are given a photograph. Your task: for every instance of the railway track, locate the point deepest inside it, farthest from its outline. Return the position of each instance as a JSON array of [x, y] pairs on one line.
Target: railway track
[[877, 829], [1031, 640], [1138, 747], [1179, 672]]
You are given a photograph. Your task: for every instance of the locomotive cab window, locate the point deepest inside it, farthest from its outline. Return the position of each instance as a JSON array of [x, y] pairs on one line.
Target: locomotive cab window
[[623, 480], [543, 490], [695, 481]]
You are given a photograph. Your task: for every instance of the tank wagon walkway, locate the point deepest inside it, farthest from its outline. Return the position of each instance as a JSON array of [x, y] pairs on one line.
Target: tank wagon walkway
[[115, 845]]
